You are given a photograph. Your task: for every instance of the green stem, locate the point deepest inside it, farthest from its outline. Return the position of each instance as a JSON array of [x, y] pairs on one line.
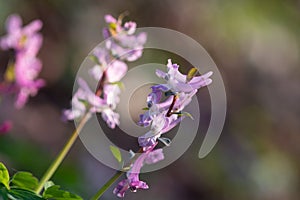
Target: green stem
[[55, 164], [116, 176], [107, 185]]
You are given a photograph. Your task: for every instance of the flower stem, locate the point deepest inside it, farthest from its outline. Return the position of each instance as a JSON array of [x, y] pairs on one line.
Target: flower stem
[[169, 113], [53, 167], [107, 185], [116, 176]]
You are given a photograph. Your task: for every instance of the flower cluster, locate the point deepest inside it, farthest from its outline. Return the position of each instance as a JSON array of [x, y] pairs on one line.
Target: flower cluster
[[22, 73], [162, 116], [132, 182], [122, 44]]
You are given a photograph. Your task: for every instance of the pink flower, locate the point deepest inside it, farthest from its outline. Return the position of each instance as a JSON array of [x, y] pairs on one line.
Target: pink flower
[[132, 181], [122, 41], [5, 127], [26, 43]]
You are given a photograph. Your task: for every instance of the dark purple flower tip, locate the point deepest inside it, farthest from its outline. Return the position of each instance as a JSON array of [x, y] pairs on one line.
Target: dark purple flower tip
[[121, 188], [138, 185]]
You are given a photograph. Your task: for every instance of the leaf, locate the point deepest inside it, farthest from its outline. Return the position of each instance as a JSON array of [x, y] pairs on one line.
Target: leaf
[[22, 194], [146, 108], [48, 184], [116, 153], [192, 72], [4, 175], [186, 114], [24, 180], [94, 59], [3, 192], [54, 193]]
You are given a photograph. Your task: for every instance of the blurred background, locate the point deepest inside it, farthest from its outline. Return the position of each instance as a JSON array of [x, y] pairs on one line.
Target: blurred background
[[255, 45]]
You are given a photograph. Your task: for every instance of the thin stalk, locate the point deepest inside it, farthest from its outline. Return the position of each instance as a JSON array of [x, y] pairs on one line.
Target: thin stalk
[[55, 164], [169, 113], [107, 185], [115, 177]]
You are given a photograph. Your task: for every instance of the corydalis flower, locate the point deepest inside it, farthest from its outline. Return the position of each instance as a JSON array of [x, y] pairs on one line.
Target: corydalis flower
[[86, 101], [26, 42], [177, 82], [164, 116], [122, 40], [132, 181], [114, 70]]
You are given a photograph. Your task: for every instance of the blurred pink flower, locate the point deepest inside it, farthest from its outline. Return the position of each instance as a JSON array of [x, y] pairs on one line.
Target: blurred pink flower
[[5, 127], [26, 42]]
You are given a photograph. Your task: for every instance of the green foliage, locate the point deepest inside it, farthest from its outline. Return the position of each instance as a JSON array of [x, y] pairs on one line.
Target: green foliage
[[94, 59], [4, 175], [18, 193], [22, 186], [54, 193], [116, 153], [24, 180]]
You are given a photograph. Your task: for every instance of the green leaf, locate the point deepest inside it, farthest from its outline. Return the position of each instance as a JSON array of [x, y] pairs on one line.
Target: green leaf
[[48, 184], [116, 153], [4, 175], [186, 114], [94, 59], [192, 72], [22, 194], [3, 192], [146, 108], [25, 180], [54, 193]]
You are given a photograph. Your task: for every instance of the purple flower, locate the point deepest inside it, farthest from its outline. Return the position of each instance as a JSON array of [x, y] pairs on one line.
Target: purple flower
[[26, 42], [85, 100], [122, 41], [5, 127], [17, 36], [177, 82], [164, 116], [132, 181], [114, 70]]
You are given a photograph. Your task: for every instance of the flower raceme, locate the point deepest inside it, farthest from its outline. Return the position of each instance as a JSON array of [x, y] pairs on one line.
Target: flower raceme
[[164, 116], [132, 182], [22, 74], [121, 45]]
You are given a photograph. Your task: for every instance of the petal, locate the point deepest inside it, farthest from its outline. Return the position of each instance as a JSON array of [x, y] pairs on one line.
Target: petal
[[13, 23], [116, 71], [96, 72], [130, 27], [33, 27], [154, 156], [110, 19]]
